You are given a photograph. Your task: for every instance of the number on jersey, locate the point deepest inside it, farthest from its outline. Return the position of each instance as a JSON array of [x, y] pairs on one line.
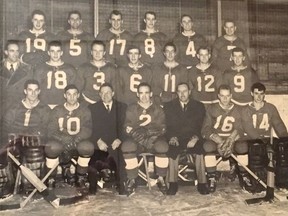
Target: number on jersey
[[122, 43], [169, 80], [100, 79], [146, 118], [264, 123], [207, 82], [72, 125], [38, 43], [239, 82], [59, 79], [149, 47], [227, 124], [191, 49], [75, 48]]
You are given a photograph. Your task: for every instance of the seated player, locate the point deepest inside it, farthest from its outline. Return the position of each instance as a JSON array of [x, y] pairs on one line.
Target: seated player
[[184, 118], [150, 40], [25, 124], [224, 135], [116, 39], [258, 118], [167, 75], [54, 75], [131, 75], [96, 72], [76, 41], [204, 78], [69, 130], [240, 77], [145, 128], [108, 117], [188, 42]]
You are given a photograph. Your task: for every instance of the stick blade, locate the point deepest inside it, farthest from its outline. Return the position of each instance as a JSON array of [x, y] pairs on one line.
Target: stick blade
[[258, 200]]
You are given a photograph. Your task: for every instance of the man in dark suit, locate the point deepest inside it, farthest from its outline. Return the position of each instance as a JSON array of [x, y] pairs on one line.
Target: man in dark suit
[[108, 116], [184, 118]]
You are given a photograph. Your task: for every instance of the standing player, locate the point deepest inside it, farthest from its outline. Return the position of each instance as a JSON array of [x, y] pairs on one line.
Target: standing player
[[188, 42], [69, 130], [168, 75], [116, 39], [145, 127], [223, 46], [131, 75], [27, 121], [258, 118], [54, 75], [34, 41], [223, 132], [205, 78], [76, 42], [96, 72], [150, 41], [240, 77]]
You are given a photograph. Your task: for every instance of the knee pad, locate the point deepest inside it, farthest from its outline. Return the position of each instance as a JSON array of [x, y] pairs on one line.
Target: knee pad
[[210, 147], [6, 179], [161, 146], [281, 156], [53, 149], [128, 146], [85, 148], [257, 153]]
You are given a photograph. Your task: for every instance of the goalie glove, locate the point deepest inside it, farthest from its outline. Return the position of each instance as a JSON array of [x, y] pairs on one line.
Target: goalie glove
[[139, 135]]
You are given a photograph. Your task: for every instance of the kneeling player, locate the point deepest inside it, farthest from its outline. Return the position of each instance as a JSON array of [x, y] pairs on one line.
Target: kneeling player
[[222, 131], [145, 126], [69, 130]]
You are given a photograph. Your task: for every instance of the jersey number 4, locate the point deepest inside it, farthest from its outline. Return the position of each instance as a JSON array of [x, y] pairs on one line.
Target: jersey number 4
[[264, 124]]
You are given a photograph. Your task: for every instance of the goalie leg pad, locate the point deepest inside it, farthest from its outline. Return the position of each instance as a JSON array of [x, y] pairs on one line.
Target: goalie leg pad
[[281, 156], [6, 180]]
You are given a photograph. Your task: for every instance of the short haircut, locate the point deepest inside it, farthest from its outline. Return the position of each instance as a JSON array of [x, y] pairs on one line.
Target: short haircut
[[133, 47], [54, 43], [150, 12], [204, 48], [259, 86], [74, 12], [115, 12], [71, 86], [224, 87], [186, 15], [183, 83], [229, 21], [31, 81], [238, 49], [170, 44], [9, 42], [106, 84], [98, 42], [144, 84], [38, 12]]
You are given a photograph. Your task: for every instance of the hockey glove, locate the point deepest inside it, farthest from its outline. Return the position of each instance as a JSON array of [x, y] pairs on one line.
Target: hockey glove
[[139, 135]]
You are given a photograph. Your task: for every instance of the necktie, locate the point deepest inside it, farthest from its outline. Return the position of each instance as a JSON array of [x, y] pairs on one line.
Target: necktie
[[108, 108], [184, 107], [12, 68]]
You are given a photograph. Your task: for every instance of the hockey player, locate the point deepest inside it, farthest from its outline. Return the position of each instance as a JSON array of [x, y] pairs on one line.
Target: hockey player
[[167, 75], [54, 75], [204, 78], [145, 127], [131, 75], [25, 124], [184, 118], [223, 46], [116, 39], [76, 42], [223, 133], [240, 77], [69, 130], [96, 72], [108, 117], [258, 118], [188, 42], [150, 41]]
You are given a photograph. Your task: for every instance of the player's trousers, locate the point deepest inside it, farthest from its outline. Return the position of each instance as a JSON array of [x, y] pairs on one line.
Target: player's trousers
[[131, 149]]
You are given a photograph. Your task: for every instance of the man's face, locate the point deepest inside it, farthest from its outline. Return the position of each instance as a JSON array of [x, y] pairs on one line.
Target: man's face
[[134, 56], [144, 94], [186, 23], [183, 93], [71, 96], [258, 96], [32, 91], [116, 21], [229, 28], [106, 94], [55, 53], [203, 56], [38, 22], [74, 21], [238, 58], [169, 53], [12, 53], [98, 52], [150, 21], [225, 97]]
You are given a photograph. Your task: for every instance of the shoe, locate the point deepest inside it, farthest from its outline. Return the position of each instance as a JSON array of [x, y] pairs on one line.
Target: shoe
[[211, 182], [51, 183], [245, 182], [82, 181], [130, 187], [203, 188], [68, 176], [232, 173], [120, 188], [106, 175], [173, 188], [162, 185]]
